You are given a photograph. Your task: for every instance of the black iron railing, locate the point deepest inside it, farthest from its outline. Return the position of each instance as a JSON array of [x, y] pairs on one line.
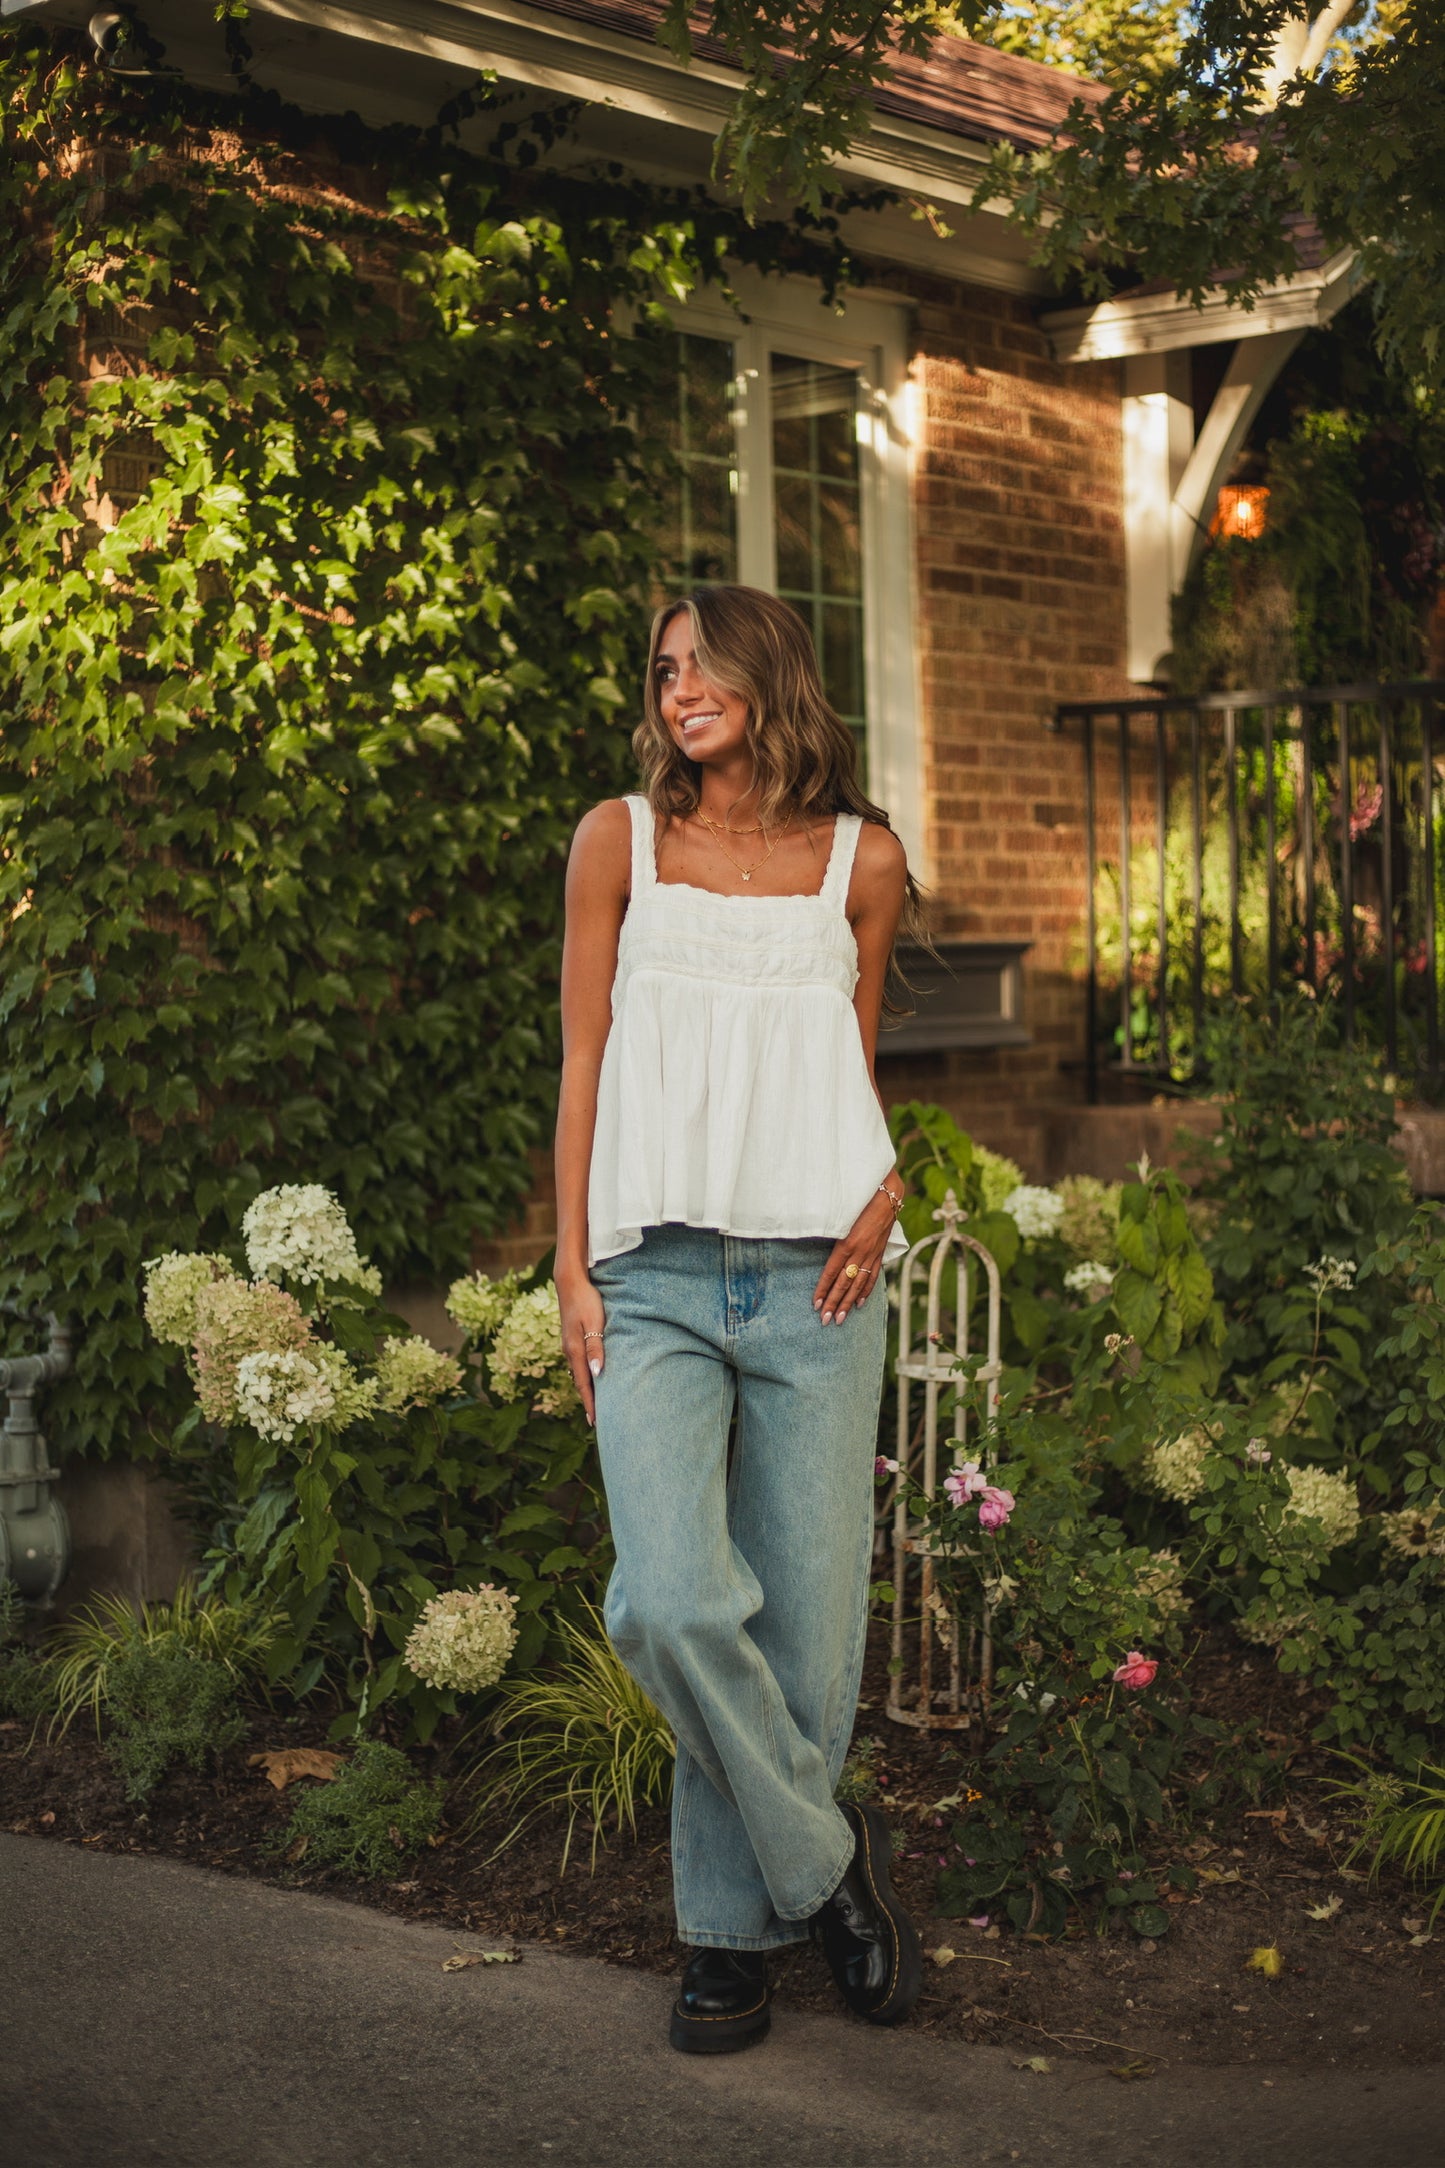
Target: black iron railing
[[1240, 842]]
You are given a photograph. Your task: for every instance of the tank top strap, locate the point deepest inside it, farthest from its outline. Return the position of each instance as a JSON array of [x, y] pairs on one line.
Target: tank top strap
[[644, 845], [834, 890]]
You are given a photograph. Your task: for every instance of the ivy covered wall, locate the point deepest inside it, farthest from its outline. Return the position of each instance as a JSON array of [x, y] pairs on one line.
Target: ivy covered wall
[[324, 548]]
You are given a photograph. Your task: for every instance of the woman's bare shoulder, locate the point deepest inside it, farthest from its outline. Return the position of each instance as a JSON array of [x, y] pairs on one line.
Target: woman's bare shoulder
[[603, 835], [880, 855]]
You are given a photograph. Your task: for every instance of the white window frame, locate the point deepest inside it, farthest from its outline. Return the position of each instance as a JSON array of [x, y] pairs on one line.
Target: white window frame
[[870, 336]]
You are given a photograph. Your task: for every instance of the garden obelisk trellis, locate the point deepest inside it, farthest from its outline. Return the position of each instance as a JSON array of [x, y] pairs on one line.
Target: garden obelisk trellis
[[913, 1697]]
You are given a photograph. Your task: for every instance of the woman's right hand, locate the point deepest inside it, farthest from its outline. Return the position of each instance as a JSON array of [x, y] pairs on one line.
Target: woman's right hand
[[583, 1321]]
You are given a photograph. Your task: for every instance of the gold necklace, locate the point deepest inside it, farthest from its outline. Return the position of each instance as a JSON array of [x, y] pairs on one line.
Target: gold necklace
[[747, 872], [726, 828]]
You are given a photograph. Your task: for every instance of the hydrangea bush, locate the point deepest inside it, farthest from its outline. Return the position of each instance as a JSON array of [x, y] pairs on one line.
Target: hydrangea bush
[[371, 1481]]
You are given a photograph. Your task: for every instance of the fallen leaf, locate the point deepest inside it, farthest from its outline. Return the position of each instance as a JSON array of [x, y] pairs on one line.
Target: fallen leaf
[[1037, 2063], [1219, 1874], [298, 1850], [1327, 1910], [1418, 1942], [463, 1959], [943, 1956], [1266, 1814], [1128, 2072], [1413, 1927], [284, 1764], [47, 1818], [1265, 1959]]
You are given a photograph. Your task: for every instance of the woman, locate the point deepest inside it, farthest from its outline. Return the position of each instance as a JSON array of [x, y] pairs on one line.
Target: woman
[[727, 1199]]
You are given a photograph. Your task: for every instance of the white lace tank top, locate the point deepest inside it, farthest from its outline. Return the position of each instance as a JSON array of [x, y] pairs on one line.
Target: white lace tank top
[[734, 1090]]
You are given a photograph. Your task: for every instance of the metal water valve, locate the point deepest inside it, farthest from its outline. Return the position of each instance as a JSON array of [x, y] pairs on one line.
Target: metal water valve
[[34, 1531]]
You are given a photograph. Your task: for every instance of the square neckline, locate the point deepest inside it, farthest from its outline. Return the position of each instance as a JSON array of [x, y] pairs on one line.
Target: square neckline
[[723, 895]]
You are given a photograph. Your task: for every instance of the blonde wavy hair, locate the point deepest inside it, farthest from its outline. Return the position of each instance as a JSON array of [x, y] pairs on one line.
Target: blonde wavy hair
[[804, 755]]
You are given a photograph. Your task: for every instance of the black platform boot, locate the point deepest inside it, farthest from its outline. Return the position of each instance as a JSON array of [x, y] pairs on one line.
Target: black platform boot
[[870, 1943], [722, 2003]]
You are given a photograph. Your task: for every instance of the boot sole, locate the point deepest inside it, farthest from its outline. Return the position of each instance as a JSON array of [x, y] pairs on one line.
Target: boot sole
[[906, 1985], [717, 2035]]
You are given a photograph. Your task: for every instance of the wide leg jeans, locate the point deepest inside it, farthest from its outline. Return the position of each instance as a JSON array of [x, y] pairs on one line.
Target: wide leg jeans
[[739, 1598]]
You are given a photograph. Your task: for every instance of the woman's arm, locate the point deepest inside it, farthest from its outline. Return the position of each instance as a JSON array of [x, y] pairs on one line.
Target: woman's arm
[[598, 867], [875, 905]]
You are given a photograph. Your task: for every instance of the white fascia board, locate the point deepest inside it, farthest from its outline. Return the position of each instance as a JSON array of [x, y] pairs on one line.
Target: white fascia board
[[1161, 323], [572, 60]]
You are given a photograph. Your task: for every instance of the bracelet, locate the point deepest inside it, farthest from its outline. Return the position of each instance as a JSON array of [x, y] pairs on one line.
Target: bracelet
[[897, 1202]]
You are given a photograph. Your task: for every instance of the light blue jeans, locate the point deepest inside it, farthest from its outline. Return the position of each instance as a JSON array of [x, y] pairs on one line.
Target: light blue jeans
[[739, 1599]]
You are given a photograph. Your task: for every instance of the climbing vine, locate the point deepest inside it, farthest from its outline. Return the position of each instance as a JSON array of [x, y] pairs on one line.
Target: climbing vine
[[325, 539]]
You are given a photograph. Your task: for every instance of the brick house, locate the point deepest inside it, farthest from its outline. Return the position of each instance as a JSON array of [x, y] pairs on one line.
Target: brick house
[[981, 501]]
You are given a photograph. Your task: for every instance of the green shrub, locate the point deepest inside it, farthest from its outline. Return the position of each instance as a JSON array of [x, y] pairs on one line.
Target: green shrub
[[387, 1484], [368, 1819], [165, 1706], [25, 1683], [82, 1654], [584, 1737], [1402, 1826]]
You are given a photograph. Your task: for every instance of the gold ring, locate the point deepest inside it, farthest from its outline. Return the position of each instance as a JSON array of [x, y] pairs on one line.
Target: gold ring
[[850, 1272], [592, 1336]]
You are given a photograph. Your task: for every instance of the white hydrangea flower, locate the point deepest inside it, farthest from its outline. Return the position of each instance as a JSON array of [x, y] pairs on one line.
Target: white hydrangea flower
[[1162, 1585], [172, 1284], [528, 1346], [1035, 1212], [279, 1394], [463, 1639], [1083, 1279], [412, 1374], [1176, 1467], [999, 1177], [478, 1304], [298, 1231], [1417, 1532], [1331, 1273], [1318, 1495]]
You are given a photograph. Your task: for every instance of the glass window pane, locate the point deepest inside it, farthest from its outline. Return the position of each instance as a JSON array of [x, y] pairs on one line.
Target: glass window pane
[[698, 488], [816, 511]]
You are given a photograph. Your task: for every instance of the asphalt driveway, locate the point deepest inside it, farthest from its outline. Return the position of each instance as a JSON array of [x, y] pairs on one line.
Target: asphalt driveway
[[162, 2016]]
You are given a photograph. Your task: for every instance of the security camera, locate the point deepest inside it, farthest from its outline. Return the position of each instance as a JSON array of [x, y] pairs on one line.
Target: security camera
[[116, 44]]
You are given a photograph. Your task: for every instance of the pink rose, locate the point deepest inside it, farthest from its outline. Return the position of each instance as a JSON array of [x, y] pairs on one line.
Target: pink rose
[[1136, 1670], [883, 1467], [994, 1507], [963, 1481]]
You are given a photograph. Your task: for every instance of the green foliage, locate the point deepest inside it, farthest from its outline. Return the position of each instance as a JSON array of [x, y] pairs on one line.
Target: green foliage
[[234, 1638], [1340, 586], [584, 1738], [166, 1705], [24, 1678], [1148, 182], [347, 1530], [1303, 1169], [1062, 1814], [1379, 1652], [809, 69], [1404, 1827], [1123, 42], [371, 1816], [326, 540]]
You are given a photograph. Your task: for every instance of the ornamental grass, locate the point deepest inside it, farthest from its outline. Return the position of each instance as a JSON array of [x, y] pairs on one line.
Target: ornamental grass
[[583, 1738]]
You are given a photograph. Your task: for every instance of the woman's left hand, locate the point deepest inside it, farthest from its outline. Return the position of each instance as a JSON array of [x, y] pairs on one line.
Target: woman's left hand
[[840, 1288]]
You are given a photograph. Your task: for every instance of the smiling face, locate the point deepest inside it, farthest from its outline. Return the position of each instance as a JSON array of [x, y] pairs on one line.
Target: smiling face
[[707, 722]]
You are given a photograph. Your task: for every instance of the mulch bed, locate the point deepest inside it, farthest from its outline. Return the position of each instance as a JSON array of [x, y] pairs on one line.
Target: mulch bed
[[1354, 1989]]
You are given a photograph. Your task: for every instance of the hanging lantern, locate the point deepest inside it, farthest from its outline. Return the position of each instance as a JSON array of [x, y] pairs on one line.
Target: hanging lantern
[[1241, 511]]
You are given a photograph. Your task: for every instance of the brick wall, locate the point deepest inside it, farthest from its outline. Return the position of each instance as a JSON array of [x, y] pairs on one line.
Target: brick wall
[[1019, 516]]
